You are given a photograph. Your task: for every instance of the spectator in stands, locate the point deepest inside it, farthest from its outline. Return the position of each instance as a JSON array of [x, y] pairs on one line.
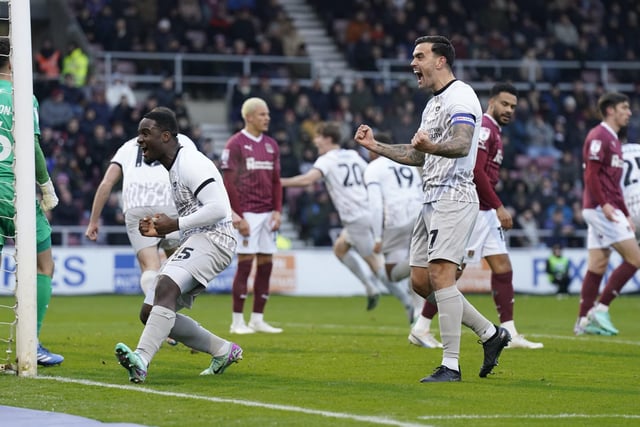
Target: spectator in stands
[[98, 103], [121, 38], [245, 28], [55, 111], [289, 163], [100, 144], [76, 63], [316, 218], [104, 24], [336, 91], [558, 270], [118, 90], [265, 89], [569, 169], [48, 61], [89, 122], [290, 38], [360, 96], [123, 114], [241, 92], [540, 136], [363, 53], [526, 221], [357, 26], [112, 215], [165, 94], [302, 108], [565, 31], [68, 212]]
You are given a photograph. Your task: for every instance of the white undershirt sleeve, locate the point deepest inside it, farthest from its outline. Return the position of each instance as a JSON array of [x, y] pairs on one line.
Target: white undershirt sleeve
[[211, 211]]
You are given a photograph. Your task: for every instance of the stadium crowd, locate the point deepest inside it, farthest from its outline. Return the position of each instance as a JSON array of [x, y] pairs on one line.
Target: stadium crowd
[[83, 122]]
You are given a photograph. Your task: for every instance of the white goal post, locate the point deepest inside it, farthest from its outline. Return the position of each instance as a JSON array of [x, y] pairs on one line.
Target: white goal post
[[25, 241]]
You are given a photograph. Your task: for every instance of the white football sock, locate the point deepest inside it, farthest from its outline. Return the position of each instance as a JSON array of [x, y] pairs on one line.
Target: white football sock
[[450, 312], [156, 331]]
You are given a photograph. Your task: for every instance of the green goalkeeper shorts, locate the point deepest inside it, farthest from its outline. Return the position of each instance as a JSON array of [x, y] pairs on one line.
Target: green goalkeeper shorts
[[7, 226]]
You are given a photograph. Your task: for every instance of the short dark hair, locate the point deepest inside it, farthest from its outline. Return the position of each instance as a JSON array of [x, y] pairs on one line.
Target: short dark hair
[[440, 46], [503, 87], [610, 99], [5, 50], [330, 130], [165, 118]]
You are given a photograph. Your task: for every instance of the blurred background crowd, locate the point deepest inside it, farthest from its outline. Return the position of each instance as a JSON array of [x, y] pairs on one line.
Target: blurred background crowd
[[84, 119]]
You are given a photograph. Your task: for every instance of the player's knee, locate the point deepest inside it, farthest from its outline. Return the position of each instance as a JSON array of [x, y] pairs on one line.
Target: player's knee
[[146, 280], [45, 265], [167, 291]]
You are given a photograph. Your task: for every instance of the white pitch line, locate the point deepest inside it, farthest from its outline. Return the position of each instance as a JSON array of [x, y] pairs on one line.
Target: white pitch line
[[530, 416], [277, 407], [465, 331]]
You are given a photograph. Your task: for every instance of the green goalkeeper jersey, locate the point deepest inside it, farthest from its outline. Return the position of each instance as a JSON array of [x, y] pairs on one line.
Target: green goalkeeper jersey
[[6, 125]]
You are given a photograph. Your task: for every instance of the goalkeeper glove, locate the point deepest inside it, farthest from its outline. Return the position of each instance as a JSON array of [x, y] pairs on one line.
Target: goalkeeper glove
[[49, 198]]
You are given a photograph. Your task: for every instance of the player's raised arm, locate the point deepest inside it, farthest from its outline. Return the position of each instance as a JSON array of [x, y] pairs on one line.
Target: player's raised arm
[[458, 145], [308, 178], [401, 153]]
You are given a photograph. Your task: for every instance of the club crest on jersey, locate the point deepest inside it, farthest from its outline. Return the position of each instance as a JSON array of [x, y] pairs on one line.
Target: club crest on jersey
[[224, 156], [484, 134], [269, 148]]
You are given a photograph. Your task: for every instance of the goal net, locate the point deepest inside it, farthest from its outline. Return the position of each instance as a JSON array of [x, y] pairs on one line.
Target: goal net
[[18, 336]]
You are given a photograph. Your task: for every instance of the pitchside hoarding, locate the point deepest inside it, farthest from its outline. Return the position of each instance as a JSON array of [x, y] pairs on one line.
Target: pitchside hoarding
[[89, 270]]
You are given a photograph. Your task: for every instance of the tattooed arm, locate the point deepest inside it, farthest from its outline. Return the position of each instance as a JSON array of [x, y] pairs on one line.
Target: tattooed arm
[[456, 145], [401, 153]]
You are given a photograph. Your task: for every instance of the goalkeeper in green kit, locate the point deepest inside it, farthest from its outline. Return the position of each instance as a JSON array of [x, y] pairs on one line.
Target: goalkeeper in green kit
[[49, 200]]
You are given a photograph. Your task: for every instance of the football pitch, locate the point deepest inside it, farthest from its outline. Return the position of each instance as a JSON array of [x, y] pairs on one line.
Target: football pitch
[[336, 364]]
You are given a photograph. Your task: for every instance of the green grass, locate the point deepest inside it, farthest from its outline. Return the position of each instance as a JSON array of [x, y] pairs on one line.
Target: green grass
[[336, 364]]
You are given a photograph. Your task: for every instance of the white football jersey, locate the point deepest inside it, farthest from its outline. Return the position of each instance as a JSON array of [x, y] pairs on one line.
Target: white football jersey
[[401, 188], [343, 172], [444, 178], [191, 171], [630, 180], [142, 184]]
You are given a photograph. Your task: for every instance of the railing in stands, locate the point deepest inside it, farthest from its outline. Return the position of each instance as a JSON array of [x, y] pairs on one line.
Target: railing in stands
[[224, 70]]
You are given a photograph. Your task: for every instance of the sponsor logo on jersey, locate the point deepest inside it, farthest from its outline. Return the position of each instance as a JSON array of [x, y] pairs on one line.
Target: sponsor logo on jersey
[[253, 164], [616, 161], [498, 157]]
